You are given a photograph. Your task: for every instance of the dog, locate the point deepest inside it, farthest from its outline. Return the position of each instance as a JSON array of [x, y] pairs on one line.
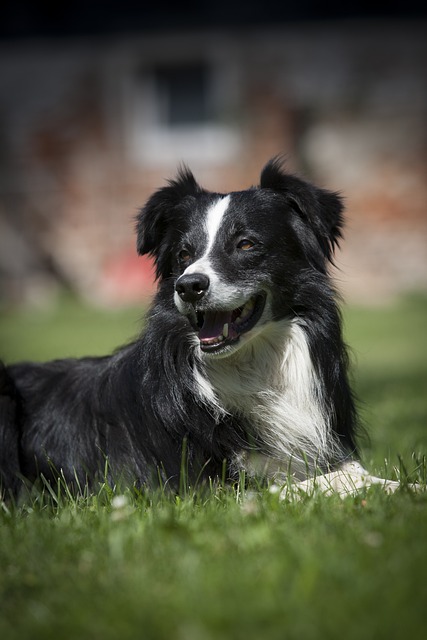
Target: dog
[[241, 365]]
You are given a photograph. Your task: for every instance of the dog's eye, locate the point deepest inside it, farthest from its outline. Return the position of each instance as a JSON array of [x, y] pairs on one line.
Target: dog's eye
[[184, 255], [245, 244]]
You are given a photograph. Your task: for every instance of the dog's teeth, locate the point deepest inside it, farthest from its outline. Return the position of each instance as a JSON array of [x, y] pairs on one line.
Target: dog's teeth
[[225, 330], [247, 310]]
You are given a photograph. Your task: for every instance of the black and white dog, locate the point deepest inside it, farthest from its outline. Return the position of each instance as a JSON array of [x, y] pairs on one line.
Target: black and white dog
[[241, 365]]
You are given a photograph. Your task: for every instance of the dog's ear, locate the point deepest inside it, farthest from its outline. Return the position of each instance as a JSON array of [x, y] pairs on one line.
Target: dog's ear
[[322, 209], [156, 220]]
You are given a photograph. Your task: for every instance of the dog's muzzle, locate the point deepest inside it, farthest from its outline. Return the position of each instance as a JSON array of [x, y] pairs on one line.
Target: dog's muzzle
[[217, 328]]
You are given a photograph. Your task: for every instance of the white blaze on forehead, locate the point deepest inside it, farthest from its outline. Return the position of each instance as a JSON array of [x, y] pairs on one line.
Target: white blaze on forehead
[[213, 220]]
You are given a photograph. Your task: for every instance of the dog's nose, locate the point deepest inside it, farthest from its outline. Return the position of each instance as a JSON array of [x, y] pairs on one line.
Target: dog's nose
[[192, 287]]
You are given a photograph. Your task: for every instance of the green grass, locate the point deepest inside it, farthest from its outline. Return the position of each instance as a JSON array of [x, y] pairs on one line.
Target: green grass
[[230, 564], [65, 329], [389, 347]]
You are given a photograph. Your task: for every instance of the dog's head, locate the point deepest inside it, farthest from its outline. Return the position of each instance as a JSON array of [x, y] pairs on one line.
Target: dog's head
[[236, 260]]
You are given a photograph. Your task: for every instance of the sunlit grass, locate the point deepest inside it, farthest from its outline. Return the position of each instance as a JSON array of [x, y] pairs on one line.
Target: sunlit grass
[[228, 562]]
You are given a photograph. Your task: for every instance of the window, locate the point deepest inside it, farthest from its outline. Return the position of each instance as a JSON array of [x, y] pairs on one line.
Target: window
[[182, 94], [181, 112]]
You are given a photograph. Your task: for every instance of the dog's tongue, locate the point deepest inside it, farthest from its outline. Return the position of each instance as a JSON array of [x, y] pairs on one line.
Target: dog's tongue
[[213, 324]]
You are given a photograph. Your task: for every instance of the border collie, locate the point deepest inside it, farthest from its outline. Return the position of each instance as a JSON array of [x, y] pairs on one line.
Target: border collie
[[241, 365]]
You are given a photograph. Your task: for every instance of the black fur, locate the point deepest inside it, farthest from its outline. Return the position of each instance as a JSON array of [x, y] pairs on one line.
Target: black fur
[[141, 408]]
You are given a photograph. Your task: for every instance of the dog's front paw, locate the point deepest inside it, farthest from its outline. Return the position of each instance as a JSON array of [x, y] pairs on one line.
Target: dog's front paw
[[349, 480]]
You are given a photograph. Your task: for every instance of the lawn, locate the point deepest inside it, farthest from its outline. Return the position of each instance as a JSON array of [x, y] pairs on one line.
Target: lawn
[[236, 563]]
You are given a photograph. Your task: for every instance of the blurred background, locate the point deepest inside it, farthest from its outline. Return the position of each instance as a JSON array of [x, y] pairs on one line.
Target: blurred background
[[101, 101]]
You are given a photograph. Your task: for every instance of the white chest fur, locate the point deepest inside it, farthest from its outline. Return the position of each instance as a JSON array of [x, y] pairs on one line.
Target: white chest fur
[[272, 385]]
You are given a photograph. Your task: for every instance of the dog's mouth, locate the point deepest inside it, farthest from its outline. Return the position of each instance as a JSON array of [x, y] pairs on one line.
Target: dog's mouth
[[219, 328]]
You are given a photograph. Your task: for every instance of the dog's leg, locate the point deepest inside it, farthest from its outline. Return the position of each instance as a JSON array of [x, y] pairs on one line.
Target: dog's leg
[[348, 480]]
